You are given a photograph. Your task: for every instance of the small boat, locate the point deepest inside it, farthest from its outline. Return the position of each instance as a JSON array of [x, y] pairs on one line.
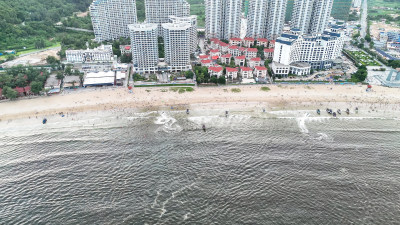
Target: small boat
[[264, 110], [339, 112], [204, 128], [318, 112], [356, 109], [334, 114], [226, 113], [44, 121], [187, 111], [329, 111], [348, 111]]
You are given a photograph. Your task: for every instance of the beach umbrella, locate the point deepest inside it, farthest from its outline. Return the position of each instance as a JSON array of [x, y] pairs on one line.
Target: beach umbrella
[[369, 86], [130, 87]]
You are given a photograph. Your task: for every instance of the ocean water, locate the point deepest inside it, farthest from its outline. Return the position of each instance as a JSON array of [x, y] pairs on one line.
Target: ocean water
[[278, 167]]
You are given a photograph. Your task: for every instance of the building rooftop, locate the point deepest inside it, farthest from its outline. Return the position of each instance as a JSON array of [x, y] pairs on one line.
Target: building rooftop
[[204, 56], [214, 50], [255, 59], [242, 68], [241, 57], [249, 39], [235, 39], [268, 50], [226, 56], [234, 47], [261, 68], [252, 50], [262, 39], [216, 68], [206, 61], [231, 70]]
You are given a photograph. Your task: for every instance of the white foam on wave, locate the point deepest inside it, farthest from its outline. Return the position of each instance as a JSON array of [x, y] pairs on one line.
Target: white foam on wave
[[163, 210], [169, 123], [301, 122]]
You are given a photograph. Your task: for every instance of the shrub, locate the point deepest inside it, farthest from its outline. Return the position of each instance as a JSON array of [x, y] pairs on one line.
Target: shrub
[[236, 90], [265, 89]]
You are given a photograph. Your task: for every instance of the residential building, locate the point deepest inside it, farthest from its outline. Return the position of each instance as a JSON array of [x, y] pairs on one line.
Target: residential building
[[268, 53], [223, 18], [247, 72], [248, 42], [318, 51], [340, 9], [207, 62], [226, 58], [103, 53], [215, 52], [110, 18], [311, 16], [144, 43], [262, 42], [125, 49], [240, 60], [266, 18], [192, 20], [232, 73], [215, 71], [251, 53], [253, 62], [235, 41], [177, 45], [234, 50], [159, 11], [260, 72]]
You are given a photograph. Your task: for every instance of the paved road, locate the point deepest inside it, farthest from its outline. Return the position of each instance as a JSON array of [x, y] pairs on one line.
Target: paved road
[[79, 29]]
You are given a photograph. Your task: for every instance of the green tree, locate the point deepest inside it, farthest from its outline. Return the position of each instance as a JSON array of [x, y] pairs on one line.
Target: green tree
[[189, 74], [68, 70], [126, 58], [36, 87], [60, 76], [51, 60], [10, 93], [221, 80], [214, 79]]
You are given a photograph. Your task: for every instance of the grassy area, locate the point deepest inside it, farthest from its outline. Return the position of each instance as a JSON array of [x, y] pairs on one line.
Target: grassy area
[[363, 58], [265, 89], [181, 90], [236, 90], [57, 44], [375, 12]]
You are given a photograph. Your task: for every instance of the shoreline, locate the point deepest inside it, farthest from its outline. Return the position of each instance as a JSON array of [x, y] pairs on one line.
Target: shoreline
[[145, 99]]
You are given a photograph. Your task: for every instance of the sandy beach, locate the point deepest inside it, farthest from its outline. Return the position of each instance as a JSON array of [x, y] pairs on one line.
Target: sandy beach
[[280, 96]]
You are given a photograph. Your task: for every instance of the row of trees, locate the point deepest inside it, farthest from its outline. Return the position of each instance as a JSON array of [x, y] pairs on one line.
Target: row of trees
[[202, 76], [20, 76]]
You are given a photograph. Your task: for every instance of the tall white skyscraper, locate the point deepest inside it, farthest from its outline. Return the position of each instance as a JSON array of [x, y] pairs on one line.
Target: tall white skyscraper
[[192, 20], [266, 18], [223, 18], [144, 45], [158, 11], [110, 18], [177, 45], [311, 16]]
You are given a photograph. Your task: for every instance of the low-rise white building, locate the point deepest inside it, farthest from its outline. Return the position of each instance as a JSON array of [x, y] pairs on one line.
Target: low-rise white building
[[260, 72], [251, 53], [103, 53], [232, 73], [215, 71], [247, 72], [240, 60]]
